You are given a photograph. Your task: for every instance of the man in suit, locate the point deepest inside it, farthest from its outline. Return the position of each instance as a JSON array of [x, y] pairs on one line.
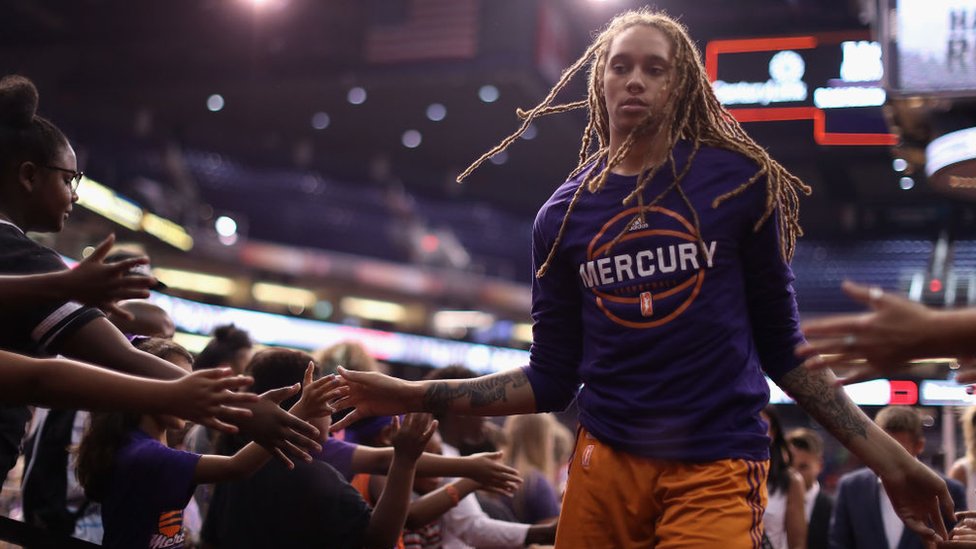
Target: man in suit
[[863, 517], [807, 448]]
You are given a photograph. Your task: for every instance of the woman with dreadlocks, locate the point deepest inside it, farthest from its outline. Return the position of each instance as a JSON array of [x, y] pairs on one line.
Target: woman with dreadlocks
[[663, 288]]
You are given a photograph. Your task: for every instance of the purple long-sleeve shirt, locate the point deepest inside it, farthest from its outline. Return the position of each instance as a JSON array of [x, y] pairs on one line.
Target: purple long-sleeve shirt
[[668, 340]]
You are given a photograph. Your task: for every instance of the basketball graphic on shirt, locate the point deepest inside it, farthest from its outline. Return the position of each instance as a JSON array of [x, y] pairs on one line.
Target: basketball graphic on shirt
[[170, 525], [645, 271]]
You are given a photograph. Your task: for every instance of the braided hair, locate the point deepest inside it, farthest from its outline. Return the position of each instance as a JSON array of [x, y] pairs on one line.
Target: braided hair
[[690, 112]]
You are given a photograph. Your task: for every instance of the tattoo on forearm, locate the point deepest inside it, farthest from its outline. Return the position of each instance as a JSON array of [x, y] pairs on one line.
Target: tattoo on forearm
[[481, 391], [828, 404]]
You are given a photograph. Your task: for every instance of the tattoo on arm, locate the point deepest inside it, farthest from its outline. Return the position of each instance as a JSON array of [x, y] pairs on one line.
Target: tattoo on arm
[[481, 391], [828, 404]]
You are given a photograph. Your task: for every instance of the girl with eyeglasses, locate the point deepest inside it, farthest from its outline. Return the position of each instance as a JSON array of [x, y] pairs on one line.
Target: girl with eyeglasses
[[38, 179]]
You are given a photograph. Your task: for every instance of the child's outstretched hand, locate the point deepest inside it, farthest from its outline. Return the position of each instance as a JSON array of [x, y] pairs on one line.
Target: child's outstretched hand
[[488, 470], [279, 431], [202, 396], [410, 438], [314, 401], [99, 284]]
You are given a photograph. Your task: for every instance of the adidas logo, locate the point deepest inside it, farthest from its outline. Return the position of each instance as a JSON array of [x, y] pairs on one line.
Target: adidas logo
[[637, 224]]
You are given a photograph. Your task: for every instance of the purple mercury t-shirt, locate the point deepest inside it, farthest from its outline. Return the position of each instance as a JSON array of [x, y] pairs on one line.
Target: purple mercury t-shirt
[[668, 339], [149, 487]]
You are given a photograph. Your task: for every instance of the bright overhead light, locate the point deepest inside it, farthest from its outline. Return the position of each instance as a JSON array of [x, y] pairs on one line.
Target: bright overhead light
[[499, 158], [530, 132], [356, 96], [488, 93], [373, 309], [321, 120], [215, 102], [899, 164], [225, 226], [436, 112], [411, 139], [906, 183], [522, 332], [448, 320], [195, 282], [283, 295]]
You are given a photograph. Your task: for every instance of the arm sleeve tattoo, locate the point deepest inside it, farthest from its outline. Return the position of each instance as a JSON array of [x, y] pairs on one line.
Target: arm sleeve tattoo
[[481, 391], [827, 403]]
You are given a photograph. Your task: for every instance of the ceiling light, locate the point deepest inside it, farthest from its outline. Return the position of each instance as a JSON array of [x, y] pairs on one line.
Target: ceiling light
[[373, 309], [298, 298], [488, 93], [356, 96], [225, 226], [321, 120], [499, 158], [411, 139], [215, 102], [195, 282], [436, 112]]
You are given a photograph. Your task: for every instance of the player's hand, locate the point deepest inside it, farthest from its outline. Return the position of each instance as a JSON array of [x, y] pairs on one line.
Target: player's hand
[[920, 498], [370, 394]]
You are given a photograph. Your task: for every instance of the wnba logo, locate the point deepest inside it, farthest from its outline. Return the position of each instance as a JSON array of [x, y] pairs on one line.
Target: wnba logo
[[656, 271]]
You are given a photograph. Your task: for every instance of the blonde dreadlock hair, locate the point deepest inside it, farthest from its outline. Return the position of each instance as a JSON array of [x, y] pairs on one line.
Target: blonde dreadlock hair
[[690, 112]]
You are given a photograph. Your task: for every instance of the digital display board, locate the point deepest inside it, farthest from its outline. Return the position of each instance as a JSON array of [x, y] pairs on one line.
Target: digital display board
[[831, 79], [930, 46]]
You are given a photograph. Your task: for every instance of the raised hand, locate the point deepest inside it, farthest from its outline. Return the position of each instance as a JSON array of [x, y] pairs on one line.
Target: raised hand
[[371, 394], [204, 395], [411, 437], [277, 430], [314, 401], [488, 470], [102, 285], [875, 343]]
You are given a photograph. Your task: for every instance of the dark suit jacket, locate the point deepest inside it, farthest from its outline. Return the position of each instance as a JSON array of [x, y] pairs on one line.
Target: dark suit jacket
[[856, 522], [818, 530]]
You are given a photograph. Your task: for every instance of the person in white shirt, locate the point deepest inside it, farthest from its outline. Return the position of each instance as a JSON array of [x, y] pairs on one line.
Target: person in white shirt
[[807, 446]]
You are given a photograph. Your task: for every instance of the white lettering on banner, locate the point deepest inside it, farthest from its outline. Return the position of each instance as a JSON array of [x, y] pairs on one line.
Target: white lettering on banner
[[665, 259], [839, 98], [861, 61], [785, 85], [861, 64], [763, 93]]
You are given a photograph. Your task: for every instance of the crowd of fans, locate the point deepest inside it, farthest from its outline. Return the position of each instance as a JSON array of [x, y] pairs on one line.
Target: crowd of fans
[[259, 467]]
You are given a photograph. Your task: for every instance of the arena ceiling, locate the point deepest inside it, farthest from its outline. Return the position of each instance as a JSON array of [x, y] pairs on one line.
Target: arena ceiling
[[120, 68]]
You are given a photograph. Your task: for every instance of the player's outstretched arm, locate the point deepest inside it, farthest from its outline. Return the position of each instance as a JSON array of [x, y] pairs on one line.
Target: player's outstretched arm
[[920, 497], [375, 394]]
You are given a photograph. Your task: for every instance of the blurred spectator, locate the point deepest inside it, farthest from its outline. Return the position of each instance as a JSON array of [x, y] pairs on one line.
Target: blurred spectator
[[530, 450], [964, 469], [807, 449], [784, 520], [862, 501], [348, 354]]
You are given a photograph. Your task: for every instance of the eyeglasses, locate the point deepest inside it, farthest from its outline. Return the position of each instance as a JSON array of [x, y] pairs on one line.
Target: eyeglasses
[[75, 176]]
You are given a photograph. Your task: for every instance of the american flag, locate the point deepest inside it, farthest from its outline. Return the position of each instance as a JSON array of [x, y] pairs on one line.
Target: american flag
[[432, 29]]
